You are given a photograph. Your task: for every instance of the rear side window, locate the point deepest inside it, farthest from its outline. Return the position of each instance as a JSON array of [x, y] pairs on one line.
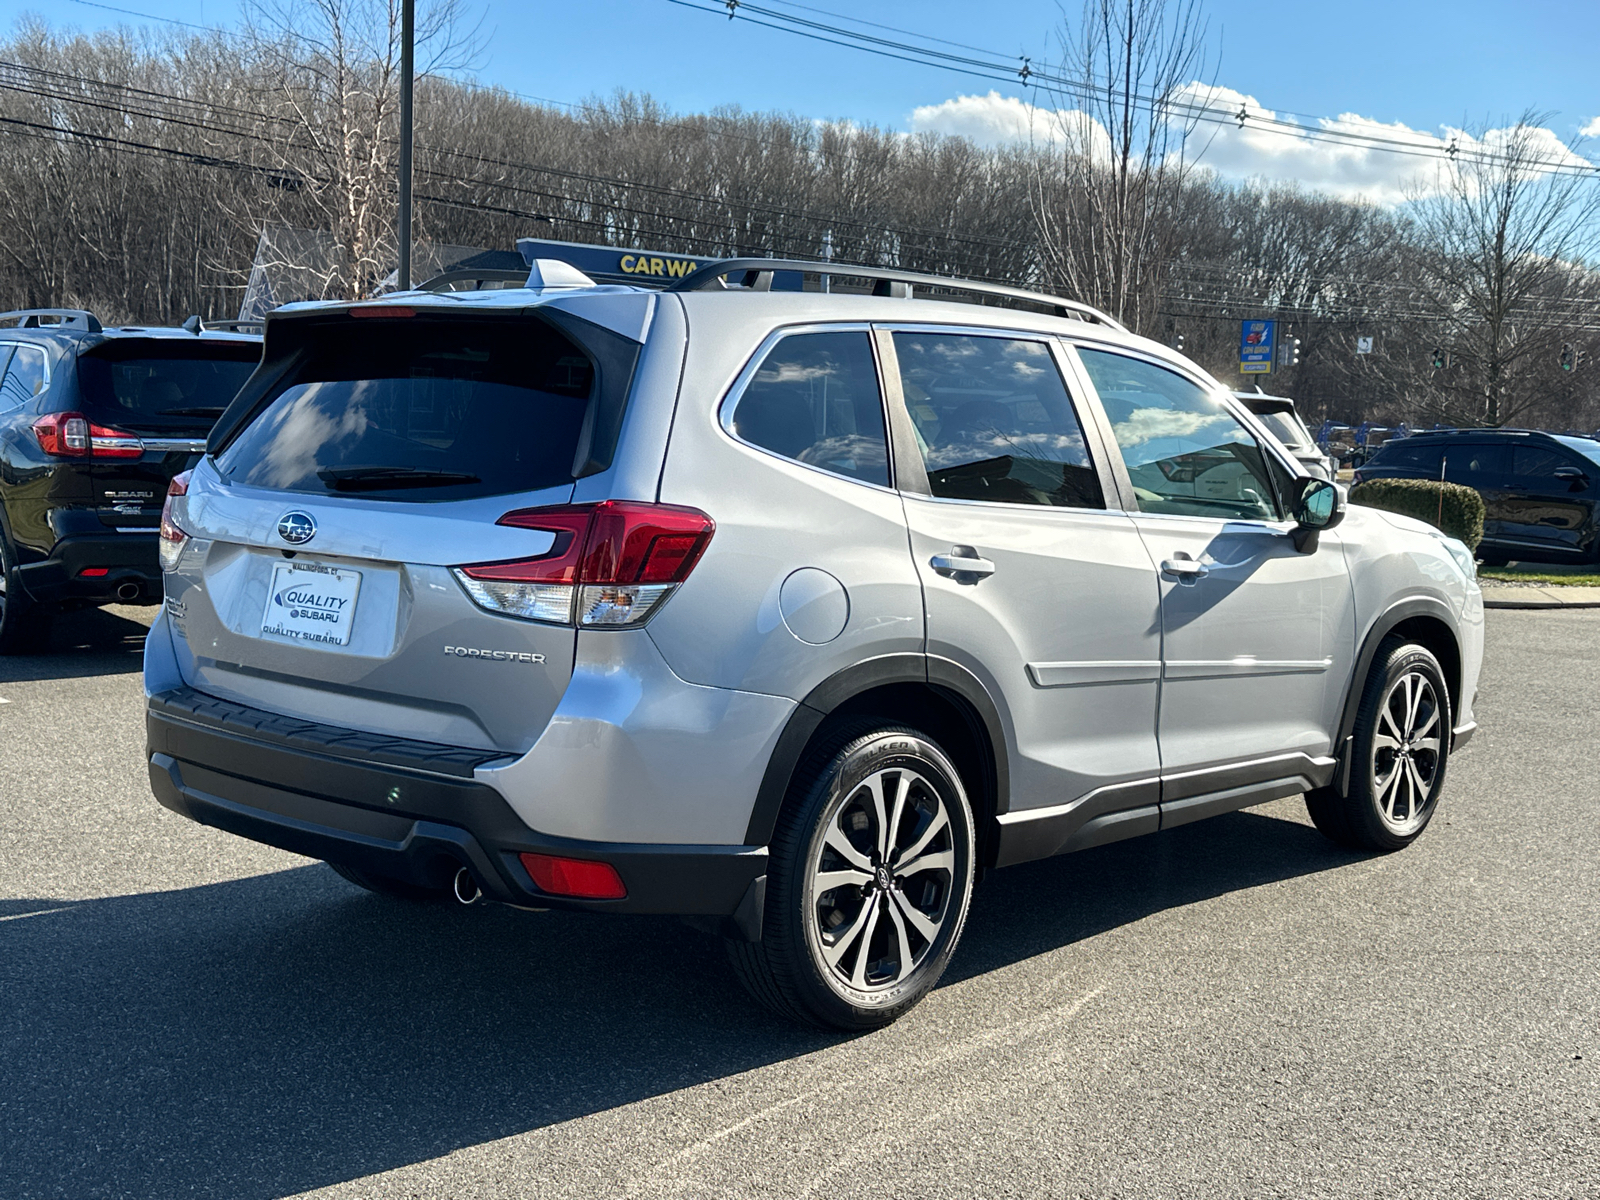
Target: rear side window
[[994, 422], [815, 399], [24, 377], [160, 386], [1412, 456], [1186, 454], [422, 410]]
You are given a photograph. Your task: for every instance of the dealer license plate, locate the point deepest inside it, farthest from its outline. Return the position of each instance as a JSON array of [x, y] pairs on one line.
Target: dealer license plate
[[311, 603]]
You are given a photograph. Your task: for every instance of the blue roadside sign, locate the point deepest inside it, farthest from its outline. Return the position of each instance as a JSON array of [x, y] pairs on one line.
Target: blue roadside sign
[[1257, 347]]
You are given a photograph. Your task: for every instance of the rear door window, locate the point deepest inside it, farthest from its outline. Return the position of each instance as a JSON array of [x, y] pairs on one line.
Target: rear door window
[[415, 410], [1186, 454], [25, 377], [815, 399], [159, 386], [993, 420], [1476, 463]]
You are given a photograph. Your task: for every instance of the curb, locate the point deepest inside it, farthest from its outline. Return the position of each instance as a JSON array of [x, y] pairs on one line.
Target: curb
[[1540, 598]]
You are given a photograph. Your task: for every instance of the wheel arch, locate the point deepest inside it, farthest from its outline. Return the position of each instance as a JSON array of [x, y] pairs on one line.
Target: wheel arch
[[929, 693], [1425, 620]]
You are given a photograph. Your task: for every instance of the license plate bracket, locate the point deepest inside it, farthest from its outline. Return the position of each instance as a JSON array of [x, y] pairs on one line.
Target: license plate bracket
[[311, 603]]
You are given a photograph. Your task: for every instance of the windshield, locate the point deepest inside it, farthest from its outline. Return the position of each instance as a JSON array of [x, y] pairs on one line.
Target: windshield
[[154, 387], [1286, 427], [1587, 447], [423, 410]]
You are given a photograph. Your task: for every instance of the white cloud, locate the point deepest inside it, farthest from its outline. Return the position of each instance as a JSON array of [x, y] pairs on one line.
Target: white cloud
[[1382, 173], [995, 120], [1592, 129]]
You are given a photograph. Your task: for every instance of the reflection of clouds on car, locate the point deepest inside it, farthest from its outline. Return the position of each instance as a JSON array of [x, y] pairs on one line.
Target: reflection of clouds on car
[[849, 454], [1146, 425], [791, 371], [1054, 447]]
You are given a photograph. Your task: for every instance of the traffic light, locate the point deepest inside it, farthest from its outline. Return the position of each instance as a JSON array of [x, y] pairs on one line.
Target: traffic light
[[1177, 342], [1294, 352], [1438, 358], [1569, 359]]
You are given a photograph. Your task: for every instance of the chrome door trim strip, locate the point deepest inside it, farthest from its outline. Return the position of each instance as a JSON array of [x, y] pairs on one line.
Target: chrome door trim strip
[[1078, 674], [1244, 665], [187, 445]]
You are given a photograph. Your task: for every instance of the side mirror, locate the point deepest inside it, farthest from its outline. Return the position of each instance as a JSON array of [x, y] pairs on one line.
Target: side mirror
[[1576, 478], [1319, 506]]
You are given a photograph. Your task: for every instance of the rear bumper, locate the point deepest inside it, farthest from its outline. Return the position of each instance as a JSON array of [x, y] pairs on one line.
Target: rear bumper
[[410, 811], [131, 560]]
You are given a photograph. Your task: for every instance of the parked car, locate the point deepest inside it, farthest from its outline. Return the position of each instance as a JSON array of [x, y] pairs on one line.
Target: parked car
[[1278, 414], [789, 612], [94, 423], [1540, 499]]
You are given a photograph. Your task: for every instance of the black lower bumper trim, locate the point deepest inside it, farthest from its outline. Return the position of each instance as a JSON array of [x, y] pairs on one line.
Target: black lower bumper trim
[[129, 559], [417, 826]]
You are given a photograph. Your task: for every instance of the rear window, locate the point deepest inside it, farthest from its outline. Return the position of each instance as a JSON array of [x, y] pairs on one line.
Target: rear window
[[154, 387], [1286, 427], [1413, 456], [422, 410]]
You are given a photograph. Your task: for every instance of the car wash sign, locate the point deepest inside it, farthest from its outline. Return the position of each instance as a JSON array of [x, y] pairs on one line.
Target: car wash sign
[[1257, 347], [615, 264]]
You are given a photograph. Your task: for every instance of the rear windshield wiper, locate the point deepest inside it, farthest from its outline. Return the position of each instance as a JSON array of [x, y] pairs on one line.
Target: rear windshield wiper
[[355, 479], [192, 412]]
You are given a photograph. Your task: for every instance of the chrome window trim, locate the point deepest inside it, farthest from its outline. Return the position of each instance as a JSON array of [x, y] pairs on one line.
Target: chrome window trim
[[735, 392], [1109, 501]]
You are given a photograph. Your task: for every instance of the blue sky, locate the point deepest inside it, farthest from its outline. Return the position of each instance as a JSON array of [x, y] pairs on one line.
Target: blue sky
[[1426, 66]]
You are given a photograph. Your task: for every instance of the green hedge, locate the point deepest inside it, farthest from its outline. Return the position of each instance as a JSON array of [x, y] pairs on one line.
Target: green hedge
[[1458, 511]]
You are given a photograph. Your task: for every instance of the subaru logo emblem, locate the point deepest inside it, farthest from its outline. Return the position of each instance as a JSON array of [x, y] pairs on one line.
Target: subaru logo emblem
[[297, 528]]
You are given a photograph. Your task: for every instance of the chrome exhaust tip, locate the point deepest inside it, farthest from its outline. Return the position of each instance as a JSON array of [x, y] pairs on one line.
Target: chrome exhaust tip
[[128, 591], [466, 887]]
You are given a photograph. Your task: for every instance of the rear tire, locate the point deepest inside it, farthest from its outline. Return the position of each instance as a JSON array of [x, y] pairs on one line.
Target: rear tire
[[1398, 757], [399, 889], [24, 624], [1495, 560], [868, 882]]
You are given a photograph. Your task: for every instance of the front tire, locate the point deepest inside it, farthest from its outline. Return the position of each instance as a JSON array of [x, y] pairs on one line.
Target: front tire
[[868, 882], [1398, 759]]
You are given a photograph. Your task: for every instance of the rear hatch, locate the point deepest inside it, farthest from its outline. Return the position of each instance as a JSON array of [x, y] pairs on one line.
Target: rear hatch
[[163, 395], [372, 456]]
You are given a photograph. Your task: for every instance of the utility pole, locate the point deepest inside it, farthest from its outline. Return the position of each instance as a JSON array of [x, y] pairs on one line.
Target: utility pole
[[408, 37]]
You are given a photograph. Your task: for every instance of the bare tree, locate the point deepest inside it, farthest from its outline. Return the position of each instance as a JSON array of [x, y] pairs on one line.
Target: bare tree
[[1496, 260], [1105, 206], [330, 76]]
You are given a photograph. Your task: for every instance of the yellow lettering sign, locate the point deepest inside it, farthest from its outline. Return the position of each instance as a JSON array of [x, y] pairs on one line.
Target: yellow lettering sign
[[627, 263]]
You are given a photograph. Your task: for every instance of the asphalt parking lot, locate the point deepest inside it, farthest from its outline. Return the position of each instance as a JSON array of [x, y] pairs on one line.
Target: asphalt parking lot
[[1233, 1008]]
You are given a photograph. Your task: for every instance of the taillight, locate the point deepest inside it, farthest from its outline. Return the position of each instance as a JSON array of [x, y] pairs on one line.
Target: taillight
[[173, 537], [73, 435], [579, 877], [611, 564]]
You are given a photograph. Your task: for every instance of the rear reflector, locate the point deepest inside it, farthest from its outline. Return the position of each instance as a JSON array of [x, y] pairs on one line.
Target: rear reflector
[[94, 572], [609, 564], [579, 877]]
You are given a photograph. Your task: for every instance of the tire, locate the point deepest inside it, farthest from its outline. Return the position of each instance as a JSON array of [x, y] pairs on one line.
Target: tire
[[24, 624], [1494, 560], [835, 956], [1398, 758], [397, 889]]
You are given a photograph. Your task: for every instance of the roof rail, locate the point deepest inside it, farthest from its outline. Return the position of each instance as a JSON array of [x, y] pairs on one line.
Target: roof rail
[[476, 274], [197, 326], [71, 318], [759, 271]]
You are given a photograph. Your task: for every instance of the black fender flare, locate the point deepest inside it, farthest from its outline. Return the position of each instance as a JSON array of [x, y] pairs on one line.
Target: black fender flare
[[1381, 627], [852, 681]]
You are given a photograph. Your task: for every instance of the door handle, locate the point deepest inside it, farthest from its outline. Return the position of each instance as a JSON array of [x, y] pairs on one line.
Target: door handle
[[963, 560], [1184, 568]]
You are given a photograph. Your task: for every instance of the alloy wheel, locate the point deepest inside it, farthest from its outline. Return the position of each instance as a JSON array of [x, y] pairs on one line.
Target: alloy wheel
[[880, 881], [1405, 753]]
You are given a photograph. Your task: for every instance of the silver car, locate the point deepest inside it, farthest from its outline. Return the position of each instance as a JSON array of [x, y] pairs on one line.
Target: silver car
[[787, 612]]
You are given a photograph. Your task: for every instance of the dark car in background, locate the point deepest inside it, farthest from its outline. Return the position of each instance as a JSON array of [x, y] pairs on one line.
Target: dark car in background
[[94, 425], [1541, 491], [1278, 414]]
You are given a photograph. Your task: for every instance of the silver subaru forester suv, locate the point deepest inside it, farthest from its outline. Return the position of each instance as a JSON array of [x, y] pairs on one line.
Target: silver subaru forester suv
[[789, 612]]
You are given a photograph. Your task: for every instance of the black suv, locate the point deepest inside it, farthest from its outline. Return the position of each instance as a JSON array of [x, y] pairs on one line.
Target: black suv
[[94, 424], [1540, 493]]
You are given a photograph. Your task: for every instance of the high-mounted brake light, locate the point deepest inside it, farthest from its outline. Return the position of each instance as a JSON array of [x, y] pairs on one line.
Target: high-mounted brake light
[[73, 435], [173, 536], [610, 564], [383, 310]]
